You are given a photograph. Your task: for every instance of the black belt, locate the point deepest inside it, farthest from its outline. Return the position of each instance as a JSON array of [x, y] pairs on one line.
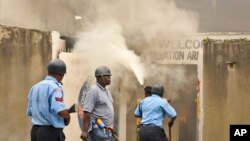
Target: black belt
[[47, 126], [148, 125]]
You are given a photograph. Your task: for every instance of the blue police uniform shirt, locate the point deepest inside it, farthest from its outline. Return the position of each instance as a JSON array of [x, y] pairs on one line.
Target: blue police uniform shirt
[[45, 101], [153, 110]]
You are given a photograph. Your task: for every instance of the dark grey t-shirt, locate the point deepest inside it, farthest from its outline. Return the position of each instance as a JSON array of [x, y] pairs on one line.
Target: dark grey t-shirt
[[99, 103]]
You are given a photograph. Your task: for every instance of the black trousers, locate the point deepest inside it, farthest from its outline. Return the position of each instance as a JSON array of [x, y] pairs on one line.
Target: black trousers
[[152, 133], [46, 133]]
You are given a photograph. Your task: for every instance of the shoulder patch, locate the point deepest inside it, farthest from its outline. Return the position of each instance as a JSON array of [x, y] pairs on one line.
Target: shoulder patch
[[59, 99]]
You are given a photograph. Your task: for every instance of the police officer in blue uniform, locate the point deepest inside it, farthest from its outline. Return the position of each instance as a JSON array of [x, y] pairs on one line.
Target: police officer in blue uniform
[[153, 110], [46, 106]]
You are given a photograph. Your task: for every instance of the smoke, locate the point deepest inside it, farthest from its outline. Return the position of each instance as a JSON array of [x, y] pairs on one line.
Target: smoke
[[112, 29], [153, 18], [143, 22], [115, 33], [55, 15], [103, 44], [19, 13], [118, 33]]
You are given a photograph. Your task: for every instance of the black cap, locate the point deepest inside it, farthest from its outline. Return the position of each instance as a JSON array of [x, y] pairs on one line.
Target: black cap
[[148, 89], [57, 66], [158, 89], [102, 70]]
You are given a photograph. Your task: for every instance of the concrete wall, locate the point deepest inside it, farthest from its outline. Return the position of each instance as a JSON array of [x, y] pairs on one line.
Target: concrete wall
[[24, 54], [226, 87]]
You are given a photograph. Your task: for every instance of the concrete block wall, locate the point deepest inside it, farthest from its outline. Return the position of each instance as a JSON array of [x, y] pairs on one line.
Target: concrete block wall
[[226, 86], [24, 54]]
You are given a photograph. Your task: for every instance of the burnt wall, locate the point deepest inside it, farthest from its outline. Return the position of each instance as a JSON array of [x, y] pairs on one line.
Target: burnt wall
[[24, 54], [226, 86]]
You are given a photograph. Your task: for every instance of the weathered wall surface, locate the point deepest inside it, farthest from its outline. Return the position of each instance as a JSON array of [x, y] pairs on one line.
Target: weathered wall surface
[[24, 54], [226, 87]]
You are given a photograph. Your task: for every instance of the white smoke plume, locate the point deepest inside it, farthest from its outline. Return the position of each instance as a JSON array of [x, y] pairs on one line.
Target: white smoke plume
[[103, 44], [112, 28]]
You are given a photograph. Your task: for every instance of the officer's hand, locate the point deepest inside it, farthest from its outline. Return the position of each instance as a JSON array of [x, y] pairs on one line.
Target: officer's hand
[[66, 121], [113, 131], [65, 114], [170, 124], [84, 136]]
